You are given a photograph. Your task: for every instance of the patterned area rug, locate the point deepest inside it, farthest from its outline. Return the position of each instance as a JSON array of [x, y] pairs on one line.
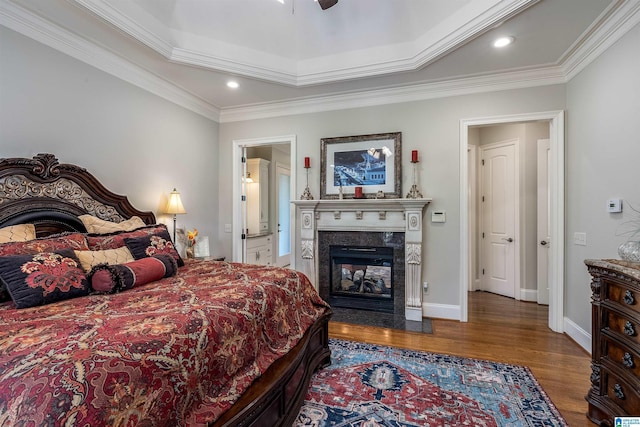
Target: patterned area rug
[[369, 385]]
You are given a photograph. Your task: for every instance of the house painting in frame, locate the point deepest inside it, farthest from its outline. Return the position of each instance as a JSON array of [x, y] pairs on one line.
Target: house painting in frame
[[372, 162]]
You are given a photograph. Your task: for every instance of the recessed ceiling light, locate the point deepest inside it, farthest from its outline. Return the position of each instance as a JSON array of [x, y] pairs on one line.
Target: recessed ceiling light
[[233, 84], [503, 41]]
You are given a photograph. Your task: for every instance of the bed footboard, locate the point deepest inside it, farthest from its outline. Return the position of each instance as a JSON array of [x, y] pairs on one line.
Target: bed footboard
[[276, 397]]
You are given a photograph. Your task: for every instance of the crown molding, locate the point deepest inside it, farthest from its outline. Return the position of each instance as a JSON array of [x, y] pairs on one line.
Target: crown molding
[[30, 25], [623, 16], [419, 92], [113, 16], [615, 23], [204, 60], [471, 21]]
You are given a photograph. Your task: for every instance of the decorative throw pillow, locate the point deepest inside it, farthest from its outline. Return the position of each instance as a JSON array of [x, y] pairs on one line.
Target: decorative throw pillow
[[159, 243], [54, 243], [96, 225], [76, 241], [17, 233], [115, 278], [116, 240], [89, 259], [43, 278]]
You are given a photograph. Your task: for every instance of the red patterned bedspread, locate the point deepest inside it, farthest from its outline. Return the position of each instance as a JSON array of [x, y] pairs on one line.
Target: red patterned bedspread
[[179, 351]]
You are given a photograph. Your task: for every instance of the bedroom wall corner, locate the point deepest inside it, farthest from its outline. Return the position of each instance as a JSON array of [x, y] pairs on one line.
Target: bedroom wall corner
[[136, 143], [602, 162]]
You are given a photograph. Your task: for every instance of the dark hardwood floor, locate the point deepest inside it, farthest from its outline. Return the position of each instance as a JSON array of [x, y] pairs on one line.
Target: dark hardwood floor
[[503, 330]]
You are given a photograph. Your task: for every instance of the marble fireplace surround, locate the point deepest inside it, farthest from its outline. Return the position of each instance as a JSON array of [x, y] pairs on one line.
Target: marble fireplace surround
[[369, 215]]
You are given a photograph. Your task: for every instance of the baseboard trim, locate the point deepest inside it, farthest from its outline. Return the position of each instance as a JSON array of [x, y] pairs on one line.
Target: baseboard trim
[[529, 295], [579, 335], [441, 311]]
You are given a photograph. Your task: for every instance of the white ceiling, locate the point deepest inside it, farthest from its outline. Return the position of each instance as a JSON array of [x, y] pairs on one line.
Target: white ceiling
[[296, 52]]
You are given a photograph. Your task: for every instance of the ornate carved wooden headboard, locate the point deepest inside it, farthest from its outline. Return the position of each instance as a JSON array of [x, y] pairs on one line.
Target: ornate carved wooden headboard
[[52, 195]]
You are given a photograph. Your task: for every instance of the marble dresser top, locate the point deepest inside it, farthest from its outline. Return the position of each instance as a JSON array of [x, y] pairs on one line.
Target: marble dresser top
[[625, 267]]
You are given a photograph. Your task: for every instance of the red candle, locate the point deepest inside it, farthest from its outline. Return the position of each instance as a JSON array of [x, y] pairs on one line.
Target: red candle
[[414, 156], [358, 193], [306, 163]]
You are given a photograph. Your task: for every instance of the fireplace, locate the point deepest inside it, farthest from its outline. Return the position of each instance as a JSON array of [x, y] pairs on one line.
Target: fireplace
[[361, 277], [362, 223], [362, 258]]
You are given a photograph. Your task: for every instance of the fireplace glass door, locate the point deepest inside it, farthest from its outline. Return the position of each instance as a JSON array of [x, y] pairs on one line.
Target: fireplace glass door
[[362, 277]]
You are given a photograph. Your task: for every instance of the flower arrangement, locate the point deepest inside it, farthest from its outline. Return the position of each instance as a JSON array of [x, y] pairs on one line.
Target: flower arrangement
[[191, 237], [191, 242]]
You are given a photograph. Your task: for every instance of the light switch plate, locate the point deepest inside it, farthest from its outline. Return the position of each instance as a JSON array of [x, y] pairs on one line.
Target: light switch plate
[[438, 216], [580, 239]]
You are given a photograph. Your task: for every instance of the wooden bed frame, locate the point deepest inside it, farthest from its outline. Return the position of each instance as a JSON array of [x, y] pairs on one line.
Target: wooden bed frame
[[51, 195]]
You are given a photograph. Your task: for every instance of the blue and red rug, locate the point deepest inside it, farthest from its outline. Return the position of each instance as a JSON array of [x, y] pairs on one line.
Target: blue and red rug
[[369, 385]]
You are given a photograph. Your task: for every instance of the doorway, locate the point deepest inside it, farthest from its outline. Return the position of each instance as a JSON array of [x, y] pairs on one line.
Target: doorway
[[283, 215], [283, 149], [555, 122]]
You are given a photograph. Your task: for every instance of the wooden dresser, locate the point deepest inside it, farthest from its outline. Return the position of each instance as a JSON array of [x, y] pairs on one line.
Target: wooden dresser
[[615, 357]]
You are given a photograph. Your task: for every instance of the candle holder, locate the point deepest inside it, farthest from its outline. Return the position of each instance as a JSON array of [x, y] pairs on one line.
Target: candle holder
[[306, 194], [414, 193]]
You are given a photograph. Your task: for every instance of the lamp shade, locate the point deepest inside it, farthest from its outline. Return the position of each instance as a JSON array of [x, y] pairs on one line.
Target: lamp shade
[[175, 204]]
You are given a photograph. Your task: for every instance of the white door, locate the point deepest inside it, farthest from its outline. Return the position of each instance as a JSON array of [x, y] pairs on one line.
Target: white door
[[544, 237], [283, 194], [499, 199]]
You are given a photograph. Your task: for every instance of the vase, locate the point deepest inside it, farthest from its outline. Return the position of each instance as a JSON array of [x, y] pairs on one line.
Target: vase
[[630, 251], [190, 253]]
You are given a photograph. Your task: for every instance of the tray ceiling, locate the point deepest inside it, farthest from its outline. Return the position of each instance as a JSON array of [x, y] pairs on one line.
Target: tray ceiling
[[281, 52]]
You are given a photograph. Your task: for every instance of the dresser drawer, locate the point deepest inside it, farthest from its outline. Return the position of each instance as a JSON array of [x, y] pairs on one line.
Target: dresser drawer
[[622, 295], [620, 355], [254, 242], [627, 326], [621, 392]]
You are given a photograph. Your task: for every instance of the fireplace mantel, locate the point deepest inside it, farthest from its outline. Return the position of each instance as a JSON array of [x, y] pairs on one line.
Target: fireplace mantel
[[394, 215]]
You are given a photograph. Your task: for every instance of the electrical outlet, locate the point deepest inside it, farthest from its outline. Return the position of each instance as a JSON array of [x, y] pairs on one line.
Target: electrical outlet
[[227, 228], [425, 286]]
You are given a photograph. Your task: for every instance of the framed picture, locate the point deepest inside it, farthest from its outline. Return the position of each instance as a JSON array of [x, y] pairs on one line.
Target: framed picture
[[371, 163]]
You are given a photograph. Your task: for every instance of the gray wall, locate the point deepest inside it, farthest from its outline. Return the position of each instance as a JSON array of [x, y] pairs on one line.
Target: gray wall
[[432, 127], [136, 143], [603, 161]]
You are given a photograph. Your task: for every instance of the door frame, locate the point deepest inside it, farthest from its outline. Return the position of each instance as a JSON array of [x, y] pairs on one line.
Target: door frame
[[276, 253], [472, 189], [236, 223], [515, 142], [557, 185], [542, 296]]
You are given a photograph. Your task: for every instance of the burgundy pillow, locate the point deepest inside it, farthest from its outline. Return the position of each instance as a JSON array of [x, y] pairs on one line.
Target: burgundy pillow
[[106, 278], [115, 240], [53, 243], [154, 244], [75, 241], [43, 278]]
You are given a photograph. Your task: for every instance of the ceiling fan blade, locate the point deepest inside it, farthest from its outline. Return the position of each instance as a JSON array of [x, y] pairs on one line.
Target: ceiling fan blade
[[326, 4]]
